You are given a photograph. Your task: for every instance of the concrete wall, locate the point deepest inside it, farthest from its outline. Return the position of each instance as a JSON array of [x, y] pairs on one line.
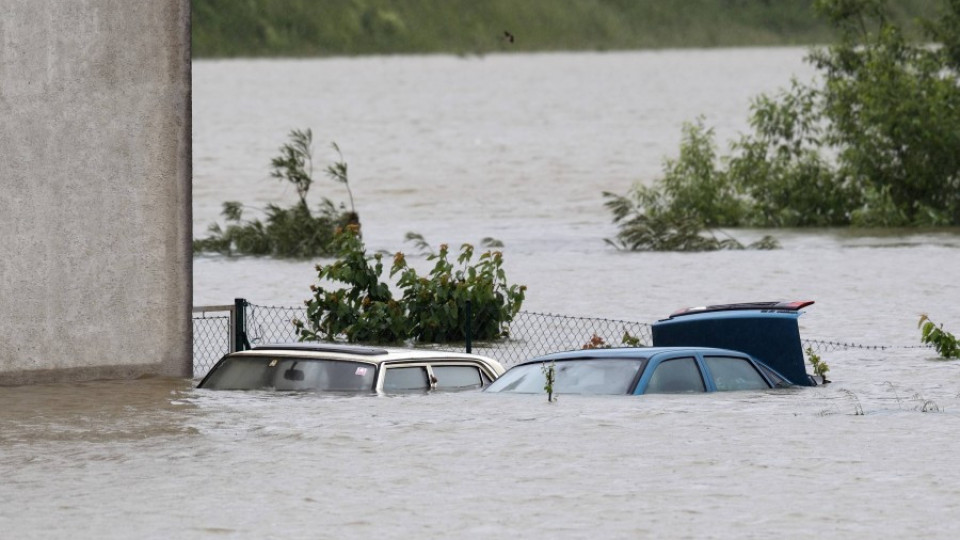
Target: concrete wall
[[95, 189]]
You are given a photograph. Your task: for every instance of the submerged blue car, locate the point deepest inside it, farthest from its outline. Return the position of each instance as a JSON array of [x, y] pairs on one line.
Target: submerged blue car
[[749, 346]]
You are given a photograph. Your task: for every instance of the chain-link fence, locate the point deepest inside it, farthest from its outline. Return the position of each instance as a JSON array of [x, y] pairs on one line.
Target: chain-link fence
[[820, 346], [211, 340], [531, 334]]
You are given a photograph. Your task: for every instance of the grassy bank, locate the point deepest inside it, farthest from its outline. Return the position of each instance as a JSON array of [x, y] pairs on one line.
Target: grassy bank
[[248, 28]]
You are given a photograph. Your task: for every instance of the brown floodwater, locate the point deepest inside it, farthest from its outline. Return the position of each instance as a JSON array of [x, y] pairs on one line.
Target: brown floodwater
[[520, 148]]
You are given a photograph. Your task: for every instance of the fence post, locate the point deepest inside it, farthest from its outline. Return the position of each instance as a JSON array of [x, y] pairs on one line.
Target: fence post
[[468, 327], [240, 325]]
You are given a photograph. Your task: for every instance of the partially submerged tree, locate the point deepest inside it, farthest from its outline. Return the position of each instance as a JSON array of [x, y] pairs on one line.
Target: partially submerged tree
[[286, 232], [875, 143], [685, 208], [893, 110]]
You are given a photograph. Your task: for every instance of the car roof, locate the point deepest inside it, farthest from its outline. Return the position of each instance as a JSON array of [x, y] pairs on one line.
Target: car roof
[[761, 307], [627, 352], [365, 354]]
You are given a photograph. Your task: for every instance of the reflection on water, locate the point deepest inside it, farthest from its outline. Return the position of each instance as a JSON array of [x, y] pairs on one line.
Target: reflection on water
[[93, 412], [517, 147], [898, 237]]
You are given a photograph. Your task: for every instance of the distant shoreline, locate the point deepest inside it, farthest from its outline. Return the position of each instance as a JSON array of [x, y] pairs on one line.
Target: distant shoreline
[[292, 29]]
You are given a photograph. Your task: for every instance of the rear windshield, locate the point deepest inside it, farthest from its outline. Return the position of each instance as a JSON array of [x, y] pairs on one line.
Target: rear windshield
[[263, 372], [586, 376]]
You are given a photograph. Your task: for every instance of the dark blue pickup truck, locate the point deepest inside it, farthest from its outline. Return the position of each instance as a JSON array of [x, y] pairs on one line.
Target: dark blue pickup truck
[[749, 346]]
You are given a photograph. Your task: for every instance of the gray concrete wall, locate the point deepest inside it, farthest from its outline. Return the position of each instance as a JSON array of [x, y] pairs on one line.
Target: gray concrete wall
[[95, 189]]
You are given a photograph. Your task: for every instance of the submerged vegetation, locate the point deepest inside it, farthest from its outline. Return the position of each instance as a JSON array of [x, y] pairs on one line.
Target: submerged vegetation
[[944, 342], [549, 377], [224, 28], [286, 232], [597, 342], [432, 309], [820, 367], [425, 248], [874, 144], [684, 209]]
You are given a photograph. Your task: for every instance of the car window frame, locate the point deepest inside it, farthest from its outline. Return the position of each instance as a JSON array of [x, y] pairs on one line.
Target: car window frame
[[458, 365], [384, 368], [639, 376], [486, 373]]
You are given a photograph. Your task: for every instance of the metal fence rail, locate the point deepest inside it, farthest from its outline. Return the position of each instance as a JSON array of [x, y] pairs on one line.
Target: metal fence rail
[[532, 334]]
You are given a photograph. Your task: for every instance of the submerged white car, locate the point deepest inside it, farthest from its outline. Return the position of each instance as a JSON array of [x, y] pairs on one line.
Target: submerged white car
[[329, 367]]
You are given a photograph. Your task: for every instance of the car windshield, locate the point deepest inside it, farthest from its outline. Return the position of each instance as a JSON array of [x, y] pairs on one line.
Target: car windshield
[[584, 376], [263, 372]]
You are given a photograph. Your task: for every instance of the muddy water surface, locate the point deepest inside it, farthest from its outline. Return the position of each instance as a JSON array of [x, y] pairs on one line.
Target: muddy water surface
[[518, 148]]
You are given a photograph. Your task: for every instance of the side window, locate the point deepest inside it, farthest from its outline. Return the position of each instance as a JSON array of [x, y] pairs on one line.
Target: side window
[[457, 377], [405, 379], [731, 373], [676, 376]]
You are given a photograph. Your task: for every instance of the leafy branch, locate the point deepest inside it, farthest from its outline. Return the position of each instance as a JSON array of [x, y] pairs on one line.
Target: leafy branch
[[295, 162], [944, 342], [337, 172], [597, 342], [820, 368]]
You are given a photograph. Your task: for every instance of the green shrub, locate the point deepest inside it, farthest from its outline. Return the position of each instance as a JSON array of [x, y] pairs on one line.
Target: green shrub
[[944, 342], [682, 211], [693, 184], [778, 172], [436, 304], [646, 224], [430, 308], [874, 145], [286, 232], [820, 368], [893, 107], [364, 310]]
